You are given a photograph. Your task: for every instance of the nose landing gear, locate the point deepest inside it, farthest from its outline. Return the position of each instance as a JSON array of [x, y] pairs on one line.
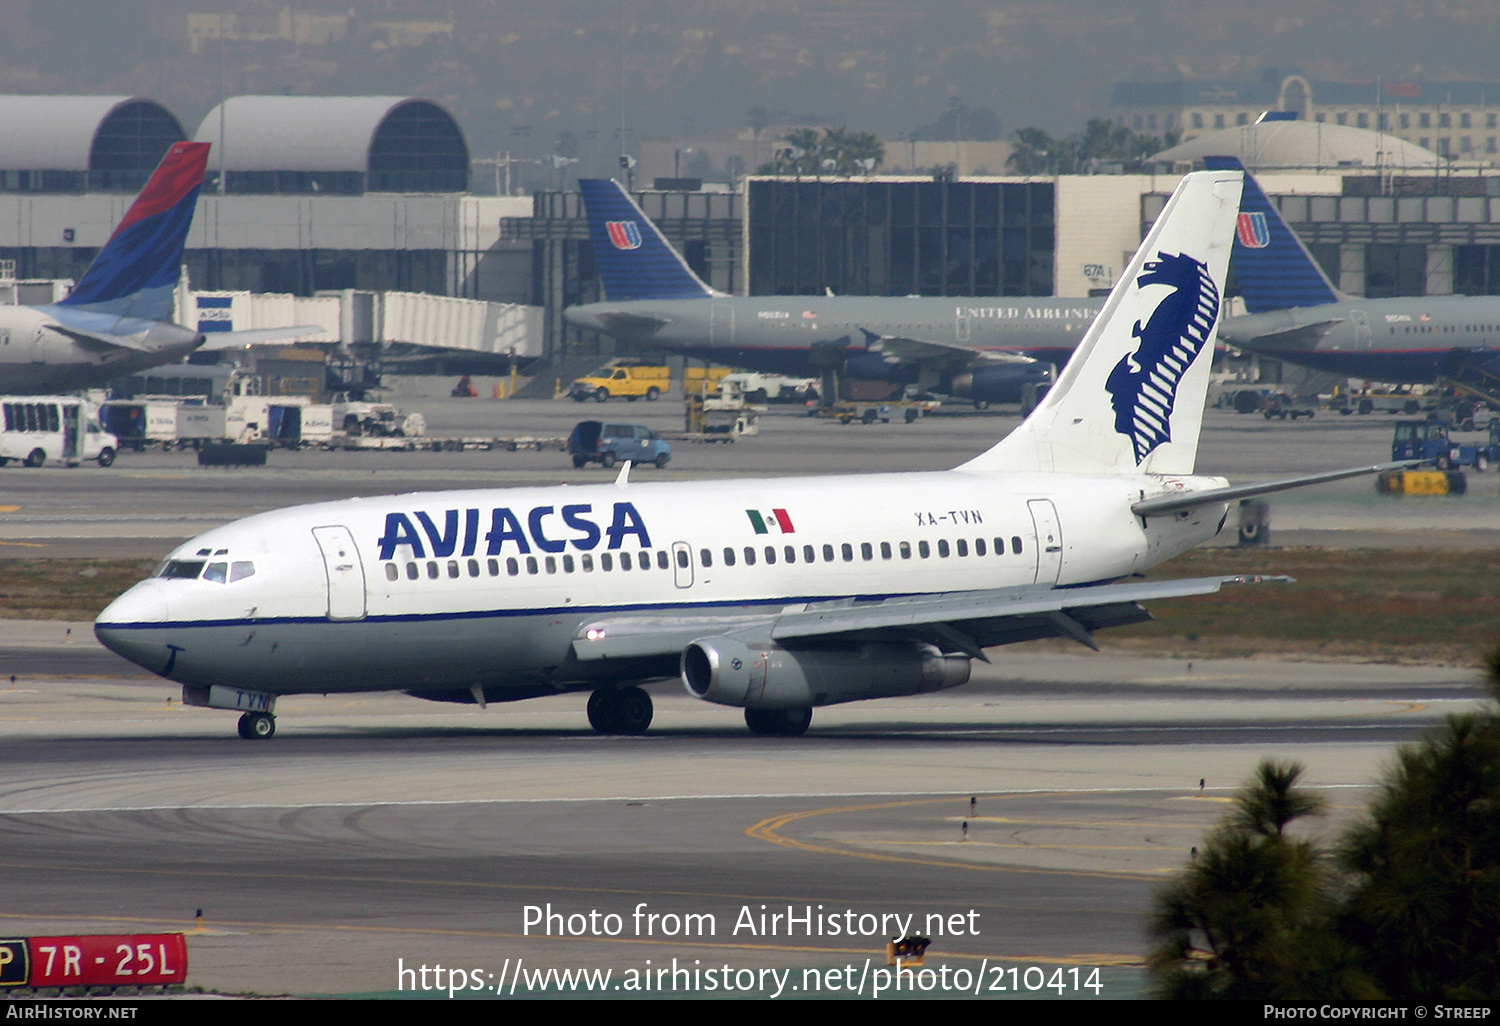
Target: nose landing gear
[[257, 726]]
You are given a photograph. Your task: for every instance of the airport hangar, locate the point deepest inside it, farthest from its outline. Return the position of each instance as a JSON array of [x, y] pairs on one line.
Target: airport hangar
[[354, 198]]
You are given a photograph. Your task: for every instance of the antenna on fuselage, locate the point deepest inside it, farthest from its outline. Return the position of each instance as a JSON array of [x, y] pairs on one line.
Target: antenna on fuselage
[[624, 478]]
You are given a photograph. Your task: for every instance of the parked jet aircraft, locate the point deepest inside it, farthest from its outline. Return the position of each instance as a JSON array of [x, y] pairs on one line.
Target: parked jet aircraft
[[971, 347], [773, 595], [1297, 315], [117, 320]]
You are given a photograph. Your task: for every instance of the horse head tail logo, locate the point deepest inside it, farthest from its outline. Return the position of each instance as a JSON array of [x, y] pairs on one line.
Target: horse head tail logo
[[1143, 385]]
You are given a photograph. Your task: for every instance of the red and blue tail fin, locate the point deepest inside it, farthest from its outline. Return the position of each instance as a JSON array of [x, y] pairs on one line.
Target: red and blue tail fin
[[1273, 268], [136, 271], [634, 260]]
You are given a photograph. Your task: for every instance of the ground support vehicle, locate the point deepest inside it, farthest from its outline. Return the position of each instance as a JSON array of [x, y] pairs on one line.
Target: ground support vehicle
[[1428, 440], [606, 444], [1281, 406], [38, 428], [875, 412], [629, 379]]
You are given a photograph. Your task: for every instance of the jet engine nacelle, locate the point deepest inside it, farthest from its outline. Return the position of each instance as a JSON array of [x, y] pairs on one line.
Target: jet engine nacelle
[[767, 676], [1002, 383]]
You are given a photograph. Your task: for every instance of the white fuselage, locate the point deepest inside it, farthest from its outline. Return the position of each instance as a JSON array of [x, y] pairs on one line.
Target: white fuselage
[[44, 350], [437, 590]]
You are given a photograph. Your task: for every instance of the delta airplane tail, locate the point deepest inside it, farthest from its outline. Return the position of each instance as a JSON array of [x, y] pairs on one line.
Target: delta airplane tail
[[134, 274], [635, 261], [1130, 401], [1273, 268]]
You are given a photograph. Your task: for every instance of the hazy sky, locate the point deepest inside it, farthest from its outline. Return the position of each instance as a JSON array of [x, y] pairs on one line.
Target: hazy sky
[[519, 74]]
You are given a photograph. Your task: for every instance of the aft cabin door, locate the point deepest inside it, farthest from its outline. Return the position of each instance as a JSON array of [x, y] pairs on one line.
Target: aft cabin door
[[346, 577], [1048, 540]]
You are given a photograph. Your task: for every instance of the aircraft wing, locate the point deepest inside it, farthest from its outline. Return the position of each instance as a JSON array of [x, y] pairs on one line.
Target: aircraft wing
[[1301, 337], [899, 349], [965, 621], [256, 336]]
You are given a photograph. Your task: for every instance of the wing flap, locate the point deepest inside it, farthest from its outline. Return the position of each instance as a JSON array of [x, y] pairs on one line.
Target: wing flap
[[986, 606]]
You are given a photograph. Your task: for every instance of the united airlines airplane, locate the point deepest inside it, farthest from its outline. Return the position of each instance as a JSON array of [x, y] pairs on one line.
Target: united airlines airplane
[[985, 349], [1297, 315], [771, 595]]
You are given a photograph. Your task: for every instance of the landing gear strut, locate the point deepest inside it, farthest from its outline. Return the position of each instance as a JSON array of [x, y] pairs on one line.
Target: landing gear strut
[[257, 726], [778, 722], [620, 710]]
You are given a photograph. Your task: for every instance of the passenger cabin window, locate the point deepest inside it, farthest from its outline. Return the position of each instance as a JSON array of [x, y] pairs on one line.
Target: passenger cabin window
[[412, 573], [729, 557], [749, 556], [923, 549], [663, 562], [906, 550], [625, 561], [391, 573], [1015, 544], [706, 557], [943, 547]]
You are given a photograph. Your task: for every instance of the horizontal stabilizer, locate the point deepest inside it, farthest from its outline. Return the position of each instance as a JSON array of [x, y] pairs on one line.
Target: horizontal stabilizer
[[1178, 501], [101, 343]]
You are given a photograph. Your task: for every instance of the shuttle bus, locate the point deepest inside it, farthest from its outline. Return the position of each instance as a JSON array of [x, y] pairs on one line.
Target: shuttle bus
[[38, 428]]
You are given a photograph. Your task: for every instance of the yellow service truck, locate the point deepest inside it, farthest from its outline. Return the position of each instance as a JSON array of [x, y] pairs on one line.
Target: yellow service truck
[[627, 379]]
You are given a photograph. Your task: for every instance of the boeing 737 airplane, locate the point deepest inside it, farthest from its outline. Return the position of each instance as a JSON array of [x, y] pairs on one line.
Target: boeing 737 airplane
[[1297, 315], [772, 595], [985, 349], [117, 320]]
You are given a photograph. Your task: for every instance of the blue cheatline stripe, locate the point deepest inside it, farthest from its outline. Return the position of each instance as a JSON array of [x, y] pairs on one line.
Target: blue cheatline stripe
[[645, 607], [1282, 274], [654, 270]]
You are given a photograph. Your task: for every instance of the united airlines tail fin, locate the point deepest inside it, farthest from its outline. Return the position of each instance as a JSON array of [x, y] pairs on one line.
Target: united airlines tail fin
[[1273, 268], [1131, 398], [136, 271], [635, 261]]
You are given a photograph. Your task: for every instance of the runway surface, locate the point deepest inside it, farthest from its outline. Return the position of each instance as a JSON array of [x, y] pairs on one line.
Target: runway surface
[[380, 832]]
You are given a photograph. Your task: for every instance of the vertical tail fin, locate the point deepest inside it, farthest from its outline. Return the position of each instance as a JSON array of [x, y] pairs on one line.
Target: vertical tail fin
[[1273, 268], [1131, 398], [136, 271], [635, 261]]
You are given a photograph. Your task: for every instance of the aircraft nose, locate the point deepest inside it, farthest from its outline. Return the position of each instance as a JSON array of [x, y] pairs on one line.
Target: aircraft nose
[[127, 624]]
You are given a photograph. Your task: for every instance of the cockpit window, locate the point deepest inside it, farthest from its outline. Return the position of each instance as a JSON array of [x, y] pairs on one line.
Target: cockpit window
[[182, 568], [217, 572], [241, 569]]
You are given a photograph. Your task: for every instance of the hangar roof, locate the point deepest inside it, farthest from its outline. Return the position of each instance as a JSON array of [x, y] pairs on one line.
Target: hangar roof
[[84, 133], [1303, 144], [316, 133]]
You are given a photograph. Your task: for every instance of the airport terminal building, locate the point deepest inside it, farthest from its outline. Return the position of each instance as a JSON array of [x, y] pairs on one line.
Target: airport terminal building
[[367, 196]]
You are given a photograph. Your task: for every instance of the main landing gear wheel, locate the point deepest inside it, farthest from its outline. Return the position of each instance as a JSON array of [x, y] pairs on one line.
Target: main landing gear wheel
[[778, 722], [620, 711], [257, 726]]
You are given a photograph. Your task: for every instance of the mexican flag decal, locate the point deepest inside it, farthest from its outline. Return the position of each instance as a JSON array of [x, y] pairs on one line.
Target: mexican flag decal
[[775, 520]]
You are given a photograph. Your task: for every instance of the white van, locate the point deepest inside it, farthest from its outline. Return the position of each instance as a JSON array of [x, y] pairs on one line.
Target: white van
[[38, 428]]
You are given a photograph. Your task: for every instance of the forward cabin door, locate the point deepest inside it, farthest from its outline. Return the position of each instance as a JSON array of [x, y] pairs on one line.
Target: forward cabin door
[[346, 577]]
